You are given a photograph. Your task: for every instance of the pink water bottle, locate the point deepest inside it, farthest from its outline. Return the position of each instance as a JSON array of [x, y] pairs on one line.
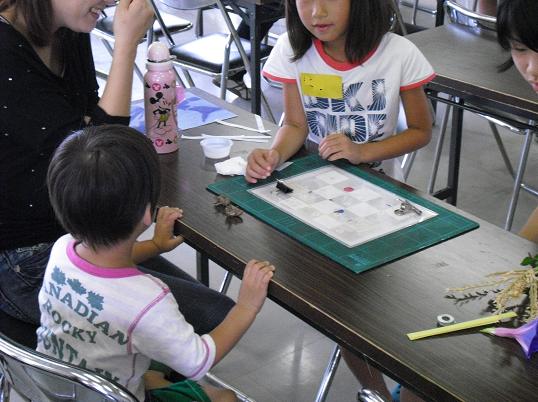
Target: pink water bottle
[[160, 99]]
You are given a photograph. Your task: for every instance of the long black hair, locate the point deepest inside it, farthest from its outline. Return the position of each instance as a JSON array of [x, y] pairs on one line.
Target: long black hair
[[369, 20], [517, 20]]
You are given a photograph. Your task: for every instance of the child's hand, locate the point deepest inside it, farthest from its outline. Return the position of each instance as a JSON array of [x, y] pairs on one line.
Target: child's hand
[[163, 237], [261, 162], [254, 285], [339, 146]]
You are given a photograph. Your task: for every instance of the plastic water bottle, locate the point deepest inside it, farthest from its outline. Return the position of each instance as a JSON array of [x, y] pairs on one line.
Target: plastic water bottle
[[160, 99]]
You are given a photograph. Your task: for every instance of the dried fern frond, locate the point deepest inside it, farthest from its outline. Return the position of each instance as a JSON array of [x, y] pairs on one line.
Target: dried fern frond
[[508, 286], [492, 284], [533, 294]]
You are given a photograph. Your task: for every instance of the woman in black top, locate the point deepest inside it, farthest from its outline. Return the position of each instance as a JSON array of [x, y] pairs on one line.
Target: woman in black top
[[48, 89]]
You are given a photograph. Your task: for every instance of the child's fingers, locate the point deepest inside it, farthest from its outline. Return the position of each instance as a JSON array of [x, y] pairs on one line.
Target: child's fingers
[[258, 165], [337, 155], [258, 271], [327, 151], [169, 214], [267, 273]]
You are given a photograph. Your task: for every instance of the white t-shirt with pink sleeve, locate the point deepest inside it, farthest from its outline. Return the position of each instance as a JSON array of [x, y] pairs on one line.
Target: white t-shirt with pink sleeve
[[115, 321], [370, 105]]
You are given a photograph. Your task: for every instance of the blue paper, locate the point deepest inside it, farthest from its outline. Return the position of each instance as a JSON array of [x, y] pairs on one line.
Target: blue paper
[[193, 111]]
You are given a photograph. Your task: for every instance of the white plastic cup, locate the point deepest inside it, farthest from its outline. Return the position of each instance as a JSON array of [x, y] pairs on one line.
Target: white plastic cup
[[216, 148]]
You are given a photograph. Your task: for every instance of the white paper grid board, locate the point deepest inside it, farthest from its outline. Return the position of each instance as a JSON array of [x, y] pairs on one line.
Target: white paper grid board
[[342, 205]]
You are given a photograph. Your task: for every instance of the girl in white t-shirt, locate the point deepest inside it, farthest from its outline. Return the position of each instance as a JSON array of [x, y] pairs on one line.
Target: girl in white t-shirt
[[343, 76]]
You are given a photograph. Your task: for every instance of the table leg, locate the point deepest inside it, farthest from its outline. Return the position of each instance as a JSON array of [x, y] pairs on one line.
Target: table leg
[[519, 178], [440, 14], [255, 41], [202, 268], [455, 153]]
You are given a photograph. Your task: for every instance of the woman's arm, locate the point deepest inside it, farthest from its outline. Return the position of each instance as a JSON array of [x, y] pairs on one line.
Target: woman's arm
[[131, 21]]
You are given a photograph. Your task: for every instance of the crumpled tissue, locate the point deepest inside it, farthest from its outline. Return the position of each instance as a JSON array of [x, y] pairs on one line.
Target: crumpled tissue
[[232, 166]]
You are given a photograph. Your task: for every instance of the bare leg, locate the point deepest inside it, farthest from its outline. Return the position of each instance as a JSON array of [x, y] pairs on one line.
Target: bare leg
[[368, 376], [155, 379], [219, 394]]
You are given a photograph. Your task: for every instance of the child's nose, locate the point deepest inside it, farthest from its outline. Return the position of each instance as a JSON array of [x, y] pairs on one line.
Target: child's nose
[[318, 8]]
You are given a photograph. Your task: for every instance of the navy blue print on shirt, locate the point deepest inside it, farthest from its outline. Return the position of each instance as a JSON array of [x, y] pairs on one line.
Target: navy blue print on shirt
[[348, 115]]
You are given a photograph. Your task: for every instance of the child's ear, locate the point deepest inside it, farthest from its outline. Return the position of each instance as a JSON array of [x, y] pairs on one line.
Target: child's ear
[[148, 216]]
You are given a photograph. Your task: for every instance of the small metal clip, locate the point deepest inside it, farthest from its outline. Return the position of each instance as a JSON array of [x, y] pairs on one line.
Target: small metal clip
[[283, 187], [406, 207]]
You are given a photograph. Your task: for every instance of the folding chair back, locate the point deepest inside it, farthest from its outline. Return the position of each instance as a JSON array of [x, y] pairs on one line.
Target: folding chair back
[[40, 378]]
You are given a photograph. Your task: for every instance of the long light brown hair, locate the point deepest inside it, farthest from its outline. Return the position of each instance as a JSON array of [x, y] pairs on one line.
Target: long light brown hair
[[37, 15]]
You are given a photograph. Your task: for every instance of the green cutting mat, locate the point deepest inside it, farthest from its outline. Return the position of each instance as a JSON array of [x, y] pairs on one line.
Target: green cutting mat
[[360, 258]]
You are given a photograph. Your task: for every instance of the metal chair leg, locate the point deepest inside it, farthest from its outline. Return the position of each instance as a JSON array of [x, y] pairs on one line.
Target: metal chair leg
[[267, 108], [328, 375], [407, 163], [367, 395], [110, 50], [438, 150], [519, 177], [202, 268], [225, 284], [199, 30], [415, 9], [398, 15], [225, 68], [502, 149], [188, 77], [217, 381], [5, 390]]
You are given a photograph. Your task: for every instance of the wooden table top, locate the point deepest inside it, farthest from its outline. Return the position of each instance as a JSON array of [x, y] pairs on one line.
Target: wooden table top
[[371, 312], [466, 60]]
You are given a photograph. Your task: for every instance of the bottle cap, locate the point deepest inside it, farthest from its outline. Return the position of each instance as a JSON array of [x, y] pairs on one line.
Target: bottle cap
[[158, 53]]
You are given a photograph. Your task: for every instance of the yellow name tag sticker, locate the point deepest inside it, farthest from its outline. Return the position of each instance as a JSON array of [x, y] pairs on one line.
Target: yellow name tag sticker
[[322, 85]]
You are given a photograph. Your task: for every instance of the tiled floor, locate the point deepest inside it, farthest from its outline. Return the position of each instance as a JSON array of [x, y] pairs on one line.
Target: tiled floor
[[281, 358]]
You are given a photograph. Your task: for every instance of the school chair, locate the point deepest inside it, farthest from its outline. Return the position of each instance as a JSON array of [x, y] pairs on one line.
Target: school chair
[[216, 55], [37, 377], [459, 14], [41, 378], [366, 395], [431, 7], [104, 31]]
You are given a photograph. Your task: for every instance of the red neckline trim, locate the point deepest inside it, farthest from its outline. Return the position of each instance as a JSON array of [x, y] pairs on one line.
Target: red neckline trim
[[338, 65]]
